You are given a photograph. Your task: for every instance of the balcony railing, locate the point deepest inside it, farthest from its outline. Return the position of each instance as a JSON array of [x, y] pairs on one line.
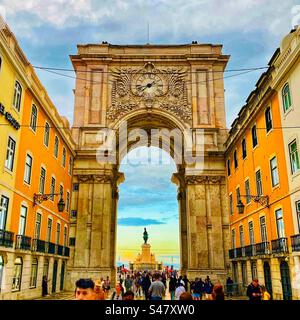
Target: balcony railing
[[250, 250], [295, 242], [262, 248], [6, 239], [279, 245], [38, 245], [59, 250], [51, 248], [23, 242], [66, 252]]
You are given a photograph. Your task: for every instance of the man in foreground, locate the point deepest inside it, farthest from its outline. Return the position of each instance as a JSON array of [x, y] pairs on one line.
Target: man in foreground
[[157, 289], [85, 289]]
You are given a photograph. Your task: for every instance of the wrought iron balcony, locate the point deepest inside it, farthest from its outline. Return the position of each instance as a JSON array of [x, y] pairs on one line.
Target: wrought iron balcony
[[232, 253], [250, 250], [23, 242], [262, 248], [38, 245], [66, 252], [295, 242], [59, 250], [51, 248], [6, 239], [279, 245], [240, 252]]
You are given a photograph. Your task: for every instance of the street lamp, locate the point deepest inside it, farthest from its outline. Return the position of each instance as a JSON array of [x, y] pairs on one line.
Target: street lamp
[[39, 198], [262, 200]]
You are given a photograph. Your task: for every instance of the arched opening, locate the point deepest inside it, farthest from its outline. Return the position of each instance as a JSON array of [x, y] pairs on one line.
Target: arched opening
[[148, 199], [285, 280]]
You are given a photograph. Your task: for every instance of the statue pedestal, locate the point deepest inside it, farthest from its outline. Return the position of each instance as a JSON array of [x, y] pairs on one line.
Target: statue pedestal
[[145, 260]]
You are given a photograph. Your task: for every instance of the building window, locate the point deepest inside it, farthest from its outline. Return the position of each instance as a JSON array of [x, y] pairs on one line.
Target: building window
[[33, 119], [254, 270], [238, 195], [242, 239], [42, 180], [38, 222], [251, 232], [68, 201], [235, 158], [3, 212], [233, 239], [61, 190], [248, 192], [73, 214], [52, 188], [17, 274], [28, 168], [254, 136], [1, 270], [17, 96], [294, 157], [57, 233], [22, 223], [228, 168], [10, 154], [298, 214], [46, 134], [72, 242], [286, 98], [263, 229], [56, 142], [268, 118], [49, 230], [75, 186], [259, 189], [33, 274], [279, 223], [274, 172], [70, 165], [231, 204], [244, 149], [65, 236], [64, 158]]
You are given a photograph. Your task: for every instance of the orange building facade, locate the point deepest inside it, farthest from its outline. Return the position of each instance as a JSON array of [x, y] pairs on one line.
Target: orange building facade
[[262, 223], [34, 239]]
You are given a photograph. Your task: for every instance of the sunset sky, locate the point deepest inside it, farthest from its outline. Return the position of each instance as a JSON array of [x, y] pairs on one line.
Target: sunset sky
[[48, 32]]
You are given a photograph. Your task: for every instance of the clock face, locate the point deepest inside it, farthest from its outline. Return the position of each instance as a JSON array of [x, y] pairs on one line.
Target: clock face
[[149, 85]]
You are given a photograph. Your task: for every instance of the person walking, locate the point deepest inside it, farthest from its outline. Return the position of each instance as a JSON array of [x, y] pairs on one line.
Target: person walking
[[118, 293], [99, 292], [157, 289], [172, 287], [254, 291], [186, 282], [229, 286], [128, 283], [208, 288], [197, 288], [146, 283]]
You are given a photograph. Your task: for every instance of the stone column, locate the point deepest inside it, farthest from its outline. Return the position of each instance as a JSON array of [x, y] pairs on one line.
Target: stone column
[[205, 225]]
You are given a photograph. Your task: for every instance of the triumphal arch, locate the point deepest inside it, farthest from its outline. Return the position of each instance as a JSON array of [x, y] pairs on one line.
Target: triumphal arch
[[170, 96]]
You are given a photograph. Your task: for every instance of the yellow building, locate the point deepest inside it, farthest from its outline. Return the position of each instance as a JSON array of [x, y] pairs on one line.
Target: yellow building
[[263, 224], [36, 161]]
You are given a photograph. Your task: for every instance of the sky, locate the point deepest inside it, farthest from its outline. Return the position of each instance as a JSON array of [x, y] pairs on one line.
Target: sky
[[249, 30]]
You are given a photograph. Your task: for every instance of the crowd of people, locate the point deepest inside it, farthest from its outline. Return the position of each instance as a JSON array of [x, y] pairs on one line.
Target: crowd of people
[[154, 285]]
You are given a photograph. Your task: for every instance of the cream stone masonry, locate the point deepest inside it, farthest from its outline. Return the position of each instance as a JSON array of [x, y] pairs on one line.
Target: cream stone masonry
[[185, 92]]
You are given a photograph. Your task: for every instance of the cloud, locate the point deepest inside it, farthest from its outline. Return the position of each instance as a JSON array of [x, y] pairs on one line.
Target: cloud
[[137, 222]]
